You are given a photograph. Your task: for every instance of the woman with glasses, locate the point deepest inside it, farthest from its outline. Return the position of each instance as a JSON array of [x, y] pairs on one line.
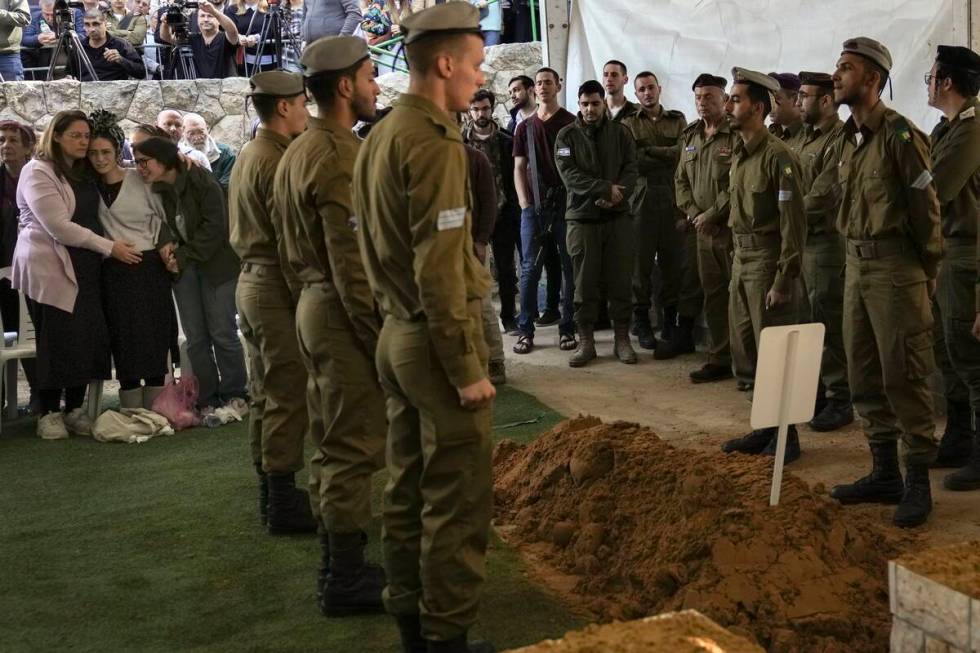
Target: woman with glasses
[[139, 309], [58, 263], [197, 251]]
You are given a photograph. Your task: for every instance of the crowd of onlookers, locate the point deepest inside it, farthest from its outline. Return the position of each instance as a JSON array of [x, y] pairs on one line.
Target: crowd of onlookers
[[133, 39]]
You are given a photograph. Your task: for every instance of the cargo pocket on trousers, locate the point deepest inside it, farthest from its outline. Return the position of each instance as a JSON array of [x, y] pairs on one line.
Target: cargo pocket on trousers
[[920, 359]]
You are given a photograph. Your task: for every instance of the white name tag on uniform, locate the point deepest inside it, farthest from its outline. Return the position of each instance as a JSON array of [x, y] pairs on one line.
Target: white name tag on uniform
[[785, 195], [564, 151], [451, 219]]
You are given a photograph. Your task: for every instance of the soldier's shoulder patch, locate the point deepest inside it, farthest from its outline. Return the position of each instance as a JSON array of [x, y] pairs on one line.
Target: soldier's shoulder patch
[[969, 114], [785, 164], [899, 125]]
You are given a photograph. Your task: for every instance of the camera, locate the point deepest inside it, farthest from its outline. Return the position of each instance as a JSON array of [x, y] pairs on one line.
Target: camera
[[177, 18], [63, 17]]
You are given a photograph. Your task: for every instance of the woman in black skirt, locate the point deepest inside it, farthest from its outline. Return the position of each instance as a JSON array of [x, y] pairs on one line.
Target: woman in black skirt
[[138, 306], [58, 265]]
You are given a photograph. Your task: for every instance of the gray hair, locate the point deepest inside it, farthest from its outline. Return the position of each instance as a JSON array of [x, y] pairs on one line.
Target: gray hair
[[94, 13]]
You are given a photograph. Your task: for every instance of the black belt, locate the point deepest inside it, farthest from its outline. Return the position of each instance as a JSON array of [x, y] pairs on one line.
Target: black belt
[[751, 241], [870, 249], [248, 266]]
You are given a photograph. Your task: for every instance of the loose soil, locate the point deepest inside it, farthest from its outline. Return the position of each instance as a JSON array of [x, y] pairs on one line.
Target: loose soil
[[956, 566], [639, 527], [679, 632]]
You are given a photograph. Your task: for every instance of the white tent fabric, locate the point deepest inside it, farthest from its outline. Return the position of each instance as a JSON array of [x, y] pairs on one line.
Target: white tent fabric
[[679, 39]]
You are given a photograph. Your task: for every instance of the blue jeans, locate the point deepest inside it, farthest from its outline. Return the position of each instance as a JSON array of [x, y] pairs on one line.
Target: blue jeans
[[531, 275], [208, 317], [11, 68], [491, 37]]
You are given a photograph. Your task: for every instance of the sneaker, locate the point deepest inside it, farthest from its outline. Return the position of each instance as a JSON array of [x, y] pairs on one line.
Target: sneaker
[[52, 427], [548, 318], [78, 422], [239, 405]]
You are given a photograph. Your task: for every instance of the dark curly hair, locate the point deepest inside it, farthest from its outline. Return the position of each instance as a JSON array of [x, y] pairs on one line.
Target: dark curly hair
[[105, 125]]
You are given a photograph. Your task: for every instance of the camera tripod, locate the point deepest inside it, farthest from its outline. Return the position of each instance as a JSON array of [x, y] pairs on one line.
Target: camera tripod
[[279, 26], [181, 59], [69, 43]]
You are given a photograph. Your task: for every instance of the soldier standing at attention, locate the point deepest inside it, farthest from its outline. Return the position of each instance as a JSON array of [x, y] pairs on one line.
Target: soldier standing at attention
[[701, 183], [412, 197], [823, 256], [768, 229], [336, 320], [596, 159], [658, 132], [953, 85], [278, 416], [787, 121], [889, 217]]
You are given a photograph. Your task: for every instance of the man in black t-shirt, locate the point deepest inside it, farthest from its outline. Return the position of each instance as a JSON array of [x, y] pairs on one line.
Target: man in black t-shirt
[[214, 54], [112, 58]]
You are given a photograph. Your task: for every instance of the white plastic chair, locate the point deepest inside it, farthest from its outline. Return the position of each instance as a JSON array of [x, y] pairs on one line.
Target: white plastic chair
[[16, 345]]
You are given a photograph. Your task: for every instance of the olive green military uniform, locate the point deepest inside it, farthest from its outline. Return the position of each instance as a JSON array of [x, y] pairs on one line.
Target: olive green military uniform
[[336, 321], [278, 416], [412, 196], [658, 143], [768, 229], [793, 136], [590, 159], [701, 185], [823, 256], [628, 110], [889, 216], [956, 169]]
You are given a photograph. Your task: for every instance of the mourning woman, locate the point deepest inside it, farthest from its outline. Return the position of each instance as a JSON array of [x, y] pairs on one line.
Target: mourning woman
[[58, 264], [196, 250], [138, 306]]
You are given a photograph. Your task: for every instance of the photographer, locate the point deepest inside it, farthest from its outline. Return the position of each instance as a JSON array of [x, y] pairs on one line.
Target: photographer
[[41, 34], [214, 55], [112, 58]]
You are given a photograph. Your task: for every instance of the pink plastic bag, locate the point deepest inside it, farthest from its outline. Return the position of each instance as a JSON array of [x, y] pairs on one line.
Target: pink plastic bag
[[178, 403]]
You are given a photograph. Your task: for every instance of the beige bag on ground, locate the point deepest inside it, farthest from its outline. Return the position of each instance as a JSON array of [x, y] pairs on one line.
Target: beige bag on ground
[[130, 425]]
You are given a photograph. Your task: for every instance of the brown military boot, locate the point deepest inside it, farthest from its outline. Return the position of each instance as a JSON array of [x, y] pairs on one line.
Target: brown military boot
[[622, 346], [585, 351]]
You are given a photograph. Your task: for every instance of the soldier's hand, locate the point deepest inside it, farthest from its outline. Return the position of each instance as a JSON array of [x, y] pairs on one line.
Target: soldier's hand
[[481, 251], [616, 195], [976, 327], [476, 395], [775, 298], [603, 204]]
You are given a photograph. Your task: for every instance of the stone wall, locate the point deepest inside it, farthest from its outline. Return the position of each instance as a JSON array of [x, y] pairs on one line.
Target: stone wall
[[220, 102]]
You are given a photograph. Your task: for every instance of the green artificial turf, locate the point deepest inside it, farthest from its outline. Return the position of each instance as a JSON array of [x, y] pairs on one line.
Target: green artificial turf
[[157, 547]]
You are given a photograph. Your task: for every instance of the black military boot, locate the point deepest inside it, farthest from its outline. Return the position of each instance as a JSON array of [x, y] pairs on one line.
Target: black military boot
[[967, 478], [410, 629], [644, 332], [882, 485], [352, 586], [460, 645], [957, 440], [263, 494], [323, 568], [710, 372], [682, 341], [752, 443], [792, 452], [670, 323], [289, 507], [917, 500], [835, 415]]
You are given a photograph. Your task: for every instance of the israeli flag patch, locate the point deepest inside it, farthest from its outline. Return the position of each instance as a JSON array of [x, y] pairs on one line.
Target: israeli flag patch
[[564, 151], [785, 195], [451, 219], [690, 148]]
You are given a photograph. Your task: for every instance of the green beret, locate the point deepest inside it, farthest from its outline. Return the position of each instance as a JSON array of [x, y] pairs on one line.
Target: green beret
[[333, 53], [276, 83], [448, 18], [869, 49], [746, 76]]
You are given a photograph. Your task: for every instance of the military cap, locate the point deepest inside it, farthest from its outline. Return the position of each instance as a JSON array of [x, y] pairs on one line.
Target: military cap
[[746, 76], [332, 53], [869, 49], [447, 18], [704, 79], [816, 79], [787, 81], [276, 83], [957, 56]]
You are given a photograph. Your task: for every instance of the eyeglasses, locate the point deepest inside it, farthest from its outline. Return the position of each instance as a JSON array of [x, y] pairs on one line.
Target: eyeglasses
[[78, 136], [142, 162], [928, 77]]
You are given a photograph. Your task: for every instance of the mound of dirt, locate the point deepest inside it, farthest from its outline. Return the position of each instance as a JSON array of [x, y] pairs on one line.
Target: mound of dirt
[[648, 528]]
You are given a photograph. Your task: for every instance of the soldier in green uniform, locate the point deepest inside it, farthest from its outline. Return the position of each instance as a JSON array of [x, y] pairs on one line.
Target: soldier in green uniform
[[823, 256], [953, 85], [596, 159], [412, 198], [336, 320], [614, 78], [786, 119], [768, 229], [278, 416], [889, 217], [701, 184], [658, 131]]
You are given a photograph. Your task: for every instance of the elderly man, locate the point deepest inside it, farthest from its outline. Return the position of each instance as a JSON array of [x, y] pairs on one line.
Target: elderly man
[[172, 122], [197, 137], [112, 58]]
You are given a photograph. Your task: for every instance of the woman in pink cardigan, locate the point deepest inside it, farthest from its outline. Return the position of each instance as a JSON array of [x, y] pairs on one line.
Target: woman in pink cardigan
[[57, 263]]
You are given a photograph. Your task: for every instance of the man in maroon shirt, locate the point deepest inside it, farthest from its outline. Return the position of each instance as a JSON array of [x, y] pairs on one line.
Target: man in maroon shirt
[[542, 209]]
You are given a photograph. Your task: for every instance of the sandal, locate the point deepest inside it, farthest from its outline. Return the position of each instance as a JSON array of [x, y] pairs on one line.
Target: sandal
[[567, 342], [524, 345]]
